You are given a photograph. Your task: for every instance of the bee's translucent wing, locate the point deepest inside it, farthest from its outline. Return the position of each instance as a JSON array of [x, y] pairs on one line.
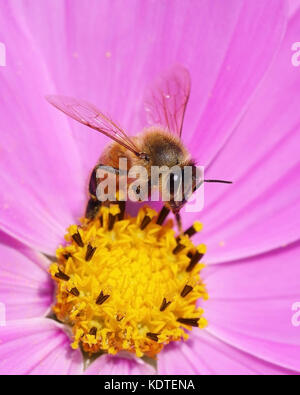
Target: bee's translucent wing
[[89, 115], [165, 101]]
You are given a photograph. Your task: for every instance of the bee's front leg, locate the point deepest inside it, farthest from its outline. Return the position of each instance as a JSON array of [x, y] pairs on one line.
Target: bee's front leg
[[94, 204], [179, 222]]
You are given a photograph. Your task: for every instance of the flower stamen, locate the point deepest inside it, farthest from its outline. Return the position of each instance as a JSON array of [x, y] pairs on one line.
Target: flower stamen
[[164, 212], [78, 240], [131, 288], [62, 276], [186, 290], [102, 298], [93, 331], [195, 258], [164, 304], [152, 336], [90, 252], [74, 291], [189, 321]]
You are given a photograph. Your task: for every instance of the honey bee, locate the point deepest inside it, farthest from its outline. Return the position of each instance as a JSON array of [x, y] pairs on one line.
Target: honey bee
[[157, 145]]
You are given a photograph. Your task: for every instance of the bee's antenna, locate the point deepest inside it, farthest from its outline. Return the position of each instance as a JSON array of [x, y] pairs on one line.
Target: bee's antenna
[[221, 181]]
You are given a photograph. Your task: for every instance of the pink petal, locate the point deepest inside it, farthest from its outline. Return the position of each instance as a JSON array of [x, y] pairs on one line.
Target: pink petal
[[26, 288], [205, 354], [294, 5], [259, 211], [40, 166], [251, 302], [118, 365], [255, 39], [37, 346]]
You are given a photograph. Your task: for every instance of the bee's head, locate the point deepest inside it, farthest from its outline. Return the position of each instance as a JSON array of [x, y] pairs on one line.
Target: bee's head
[[183, 181], [182, 184]]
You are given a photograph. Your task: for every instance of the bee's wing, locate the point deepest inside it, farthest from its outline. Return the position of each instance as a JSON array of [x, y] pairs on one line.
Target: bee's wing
[[89, 115], [165, 101]]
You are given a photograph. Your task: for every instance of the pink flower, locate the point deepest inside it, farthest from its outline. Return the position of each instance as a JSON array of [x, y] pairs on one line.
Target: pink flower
[[242, 123]]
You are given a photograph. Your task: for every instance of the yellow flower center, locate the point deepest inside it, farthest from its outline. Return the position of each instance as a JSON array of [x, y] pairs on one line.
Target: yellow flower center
[[128, 283]]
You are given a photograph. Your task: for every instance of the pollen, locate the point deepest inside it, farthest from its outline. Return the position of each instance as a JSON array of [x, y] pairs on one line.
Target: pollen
[[123, 284]]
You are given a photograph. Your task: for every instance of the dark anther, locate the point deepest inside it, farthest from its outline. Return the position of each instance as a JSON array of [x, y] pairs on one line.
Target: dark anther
[[190, 231], [190, 255], [67, 255], [164, 305], [189, 321], [122, 206], [74, 291], [78, 240], [102, 298], [101, 221], [186, 290], [90, 252], [111, 221], [164, 212], [194, 260], [119, 318], [93, 331], [178, 248], [146, 221], [62, 276], [152, 336]]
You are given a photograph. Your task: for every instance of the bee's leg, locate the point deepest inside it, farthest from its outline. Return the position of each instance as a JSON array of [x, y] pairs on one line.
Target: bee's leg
[[92, 208], [122, 206], [179, 223], [94, 204], [112, 170]]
